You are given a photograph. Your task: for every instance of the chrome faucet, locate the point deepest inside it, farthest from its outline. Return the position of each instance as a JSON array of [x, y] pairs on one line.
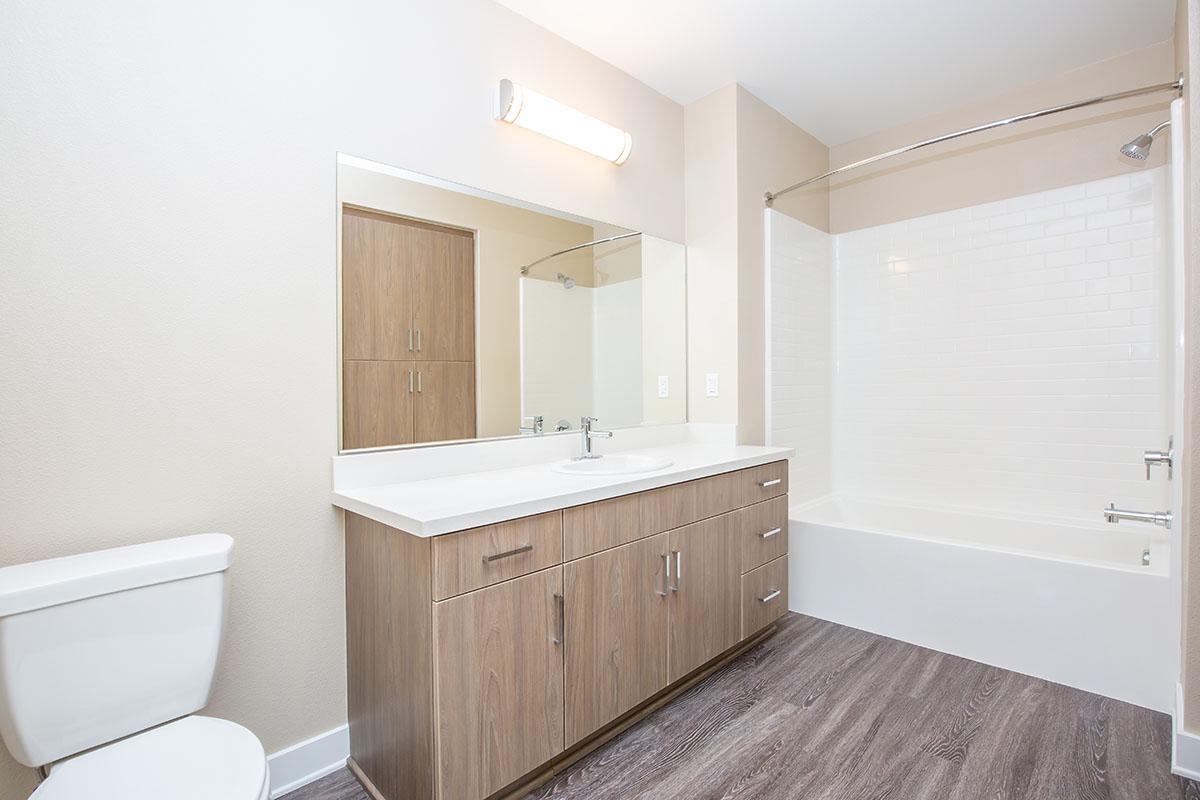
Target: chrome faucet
[[1114, 515], [1158, 458], [536, 428], [585, 426]]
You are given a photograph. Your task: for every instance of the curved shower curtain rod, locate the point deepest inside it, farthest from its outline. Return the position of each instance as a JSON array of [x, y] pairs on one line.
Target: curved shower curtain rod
[[1176, 85], [525, 269]]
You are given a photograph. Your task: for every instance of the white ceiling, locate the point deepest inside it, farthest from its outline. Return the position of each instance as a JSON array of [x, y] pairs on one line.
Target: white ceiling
[[842, 69]]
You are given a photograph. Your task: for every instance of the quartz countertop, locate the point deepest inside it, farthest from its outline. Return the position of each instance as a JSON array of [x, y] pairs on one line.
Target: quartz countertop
[[450, 503]]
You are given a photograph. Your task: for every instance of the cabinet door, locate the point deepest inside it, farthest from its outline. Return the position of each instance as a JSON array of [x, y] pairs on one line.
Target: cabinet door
[[444, 295], [499, 683], [616, 633], [706, 589], [377, 403], [377, 298], [445, 401]]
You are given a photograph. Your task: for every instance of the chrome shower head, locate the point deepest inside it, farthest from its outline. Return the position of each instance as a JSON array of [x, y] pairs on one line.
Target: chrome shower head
[[1139, 148], [567, 281]]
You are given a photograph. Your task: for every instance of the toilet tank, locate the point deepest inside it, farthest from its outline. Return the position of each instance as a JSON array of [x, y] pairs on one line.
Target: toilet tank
[[97, 646]]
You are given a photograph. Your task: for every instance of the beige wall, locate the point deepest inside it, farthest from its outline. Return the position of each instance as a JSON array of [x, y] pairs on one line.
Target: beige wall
[[736, 149], [167, 278], [710, 192], [1061, 150], [507, 237], [1187, 39], [771, 152]]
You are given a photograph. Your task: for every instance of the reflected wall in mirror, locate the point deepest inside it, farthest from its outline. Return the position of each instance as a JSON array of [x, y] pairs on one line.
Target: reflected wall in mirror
[[461, 317]]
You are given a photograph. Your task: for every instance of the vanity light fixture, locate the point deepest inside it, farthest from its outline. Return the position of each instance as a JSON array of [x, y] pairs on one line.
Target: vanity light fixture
[[536, 112]]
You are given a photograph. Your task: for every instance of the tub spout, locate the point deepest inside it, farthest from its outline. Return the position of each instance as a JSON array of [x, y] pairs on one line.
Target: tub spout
[[1114, 515]]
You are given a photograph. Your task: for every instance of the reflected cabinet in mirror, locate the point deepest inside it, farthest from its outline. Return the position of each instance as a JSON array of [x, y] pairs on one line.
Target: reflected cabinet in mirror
[[467, 315]]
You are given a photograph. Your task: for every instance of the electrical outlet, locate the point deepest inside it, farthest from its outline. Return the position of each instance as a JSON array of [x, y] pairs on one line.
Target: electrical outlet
[[711, 387], [664, 386]]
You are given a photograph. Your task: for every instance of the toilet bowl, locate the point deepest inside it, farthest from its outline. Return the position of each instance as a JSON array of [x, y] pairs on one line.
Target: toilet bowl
[[105, 657]]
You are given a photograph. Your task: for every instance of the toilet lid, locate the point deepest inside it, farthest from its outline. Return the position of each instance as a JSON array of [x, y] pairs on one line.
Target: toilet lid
[[195, 758]]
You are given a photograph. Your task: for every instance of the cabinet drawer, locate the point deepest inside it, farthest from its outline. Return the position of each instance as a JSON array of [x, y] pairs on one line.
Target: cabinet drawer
[[745, 487], [764, 595], [598, 526], [482, 556], [763, 531]]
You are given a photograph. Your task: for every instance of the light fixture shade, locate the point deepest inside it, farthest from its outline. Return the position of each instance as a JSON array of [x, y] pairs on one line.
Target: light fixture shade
[[538, 113]]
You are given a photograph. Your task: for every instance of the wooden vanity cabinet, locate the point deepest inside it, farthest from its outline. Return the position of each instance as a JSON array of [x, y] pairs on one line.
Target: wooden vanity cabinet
[[479, 659]]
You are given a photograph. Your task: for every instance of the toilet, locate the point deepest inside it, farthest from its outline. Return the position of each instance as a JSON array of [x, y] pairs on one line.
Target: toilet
[[105, 657]]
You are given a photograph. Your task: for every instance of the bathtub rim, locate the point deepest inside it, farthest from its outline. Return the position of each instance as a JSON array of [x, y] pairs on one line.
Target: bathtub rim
[[1160, 543]]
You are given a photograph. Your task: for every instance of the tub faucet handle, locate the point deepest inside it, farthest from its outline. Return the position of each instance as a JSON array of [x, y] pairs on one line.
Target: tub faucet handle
[[1160, 457]]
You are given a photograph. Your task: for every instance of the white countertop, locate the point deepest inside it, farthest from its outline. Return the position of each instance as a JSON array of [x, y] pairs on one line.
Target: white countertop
[[456, 502]]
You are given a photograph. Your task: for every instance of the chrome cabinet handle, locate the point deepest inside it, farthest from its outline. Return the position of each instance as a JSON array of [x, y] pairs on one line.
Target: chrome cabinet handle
[[770, 483], [410, 331], [770, 533], [418, 380], [525, 548], [560, 606], [770, 596], [678, 569], [418, 340], [410, 381], [666, 589]]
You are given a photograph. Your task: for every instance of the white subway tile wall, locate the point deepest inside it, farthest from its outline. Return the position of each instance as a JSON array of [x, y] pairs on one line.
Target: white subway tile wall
[[1009, 356], [801, 350]]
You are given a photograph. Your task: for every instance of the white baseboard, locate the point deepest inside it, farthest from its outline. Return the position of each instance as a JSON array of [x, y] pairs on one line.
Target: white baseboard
[[1185, 746], [303, 763]]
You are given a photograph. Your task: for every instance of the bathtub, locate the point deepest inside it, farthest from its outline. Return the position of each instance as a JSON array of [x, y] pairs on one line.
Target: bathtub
[[1085, 606]]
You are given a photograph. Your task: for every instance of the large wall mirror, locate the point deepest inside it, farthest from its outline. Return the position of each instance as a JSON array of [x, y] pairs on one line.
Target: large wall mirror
[[466, 315]]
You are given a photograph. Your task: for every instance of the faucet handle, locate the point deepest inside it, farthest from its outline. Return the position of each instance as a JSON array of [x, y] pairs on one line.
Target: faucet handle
[[1160, 457], [586, 422]]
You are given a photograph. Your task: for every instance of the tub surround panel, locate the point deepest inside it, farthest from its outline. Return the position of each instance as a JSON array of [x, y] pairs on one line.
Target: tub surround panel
[[1001, 357], [800, 300]]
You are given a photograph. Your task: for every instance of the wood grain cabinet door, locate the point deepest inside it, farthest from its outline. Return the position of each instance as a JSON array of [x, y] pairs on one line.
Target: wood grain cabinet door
[[498, 683], [377, 403], [445, 401], [443, 268], [616, 633], [377, 295], [706, 603]]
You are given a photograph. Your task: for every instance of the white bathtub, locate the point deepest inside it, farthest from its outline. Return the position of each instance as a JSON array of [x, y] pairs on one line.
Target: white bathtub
[[1069, 603]]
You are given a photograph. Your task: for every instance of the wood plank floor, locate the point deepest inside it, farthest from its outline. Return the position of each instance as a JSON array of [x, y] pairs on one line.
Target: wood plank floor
[[825, 712]]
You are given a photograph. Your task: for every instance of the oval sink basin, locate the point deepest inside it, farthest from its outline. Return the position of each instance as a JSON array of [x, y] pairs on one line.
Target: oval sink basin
[[614, 464]]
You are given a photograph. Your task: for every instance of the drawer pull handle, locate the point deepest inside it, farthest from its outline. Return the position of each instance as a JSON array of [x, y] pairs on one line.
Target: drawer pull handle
[[560, 633], [770, 533], [770, 483], [770, 596], [666, 589], [516, 551]]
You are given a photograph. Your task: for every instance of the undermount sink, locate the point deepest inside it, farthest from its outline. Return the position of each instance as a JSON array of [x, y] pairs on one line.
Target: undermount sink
[[615, 464]]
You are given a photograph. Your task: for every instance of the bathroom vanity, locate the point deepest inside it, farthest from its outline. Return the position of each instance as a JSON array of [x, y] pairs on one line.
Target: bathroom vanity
[[483, 658]]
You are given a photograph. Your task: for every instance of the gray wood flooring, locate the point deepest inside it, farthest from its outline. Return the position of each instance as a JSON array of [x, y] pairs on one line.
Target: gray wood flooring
[[825, 712]]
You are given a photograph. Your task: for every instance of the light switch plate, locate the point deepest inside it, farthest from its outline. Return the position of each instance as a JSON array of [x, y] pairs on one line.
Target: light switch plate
[[711, 386], [664, 386]]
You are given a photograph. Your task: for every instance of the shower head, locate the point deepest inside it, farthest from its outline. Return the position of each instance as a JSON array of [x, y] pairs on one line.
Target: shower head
[[567, 281], [1139, 148]]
